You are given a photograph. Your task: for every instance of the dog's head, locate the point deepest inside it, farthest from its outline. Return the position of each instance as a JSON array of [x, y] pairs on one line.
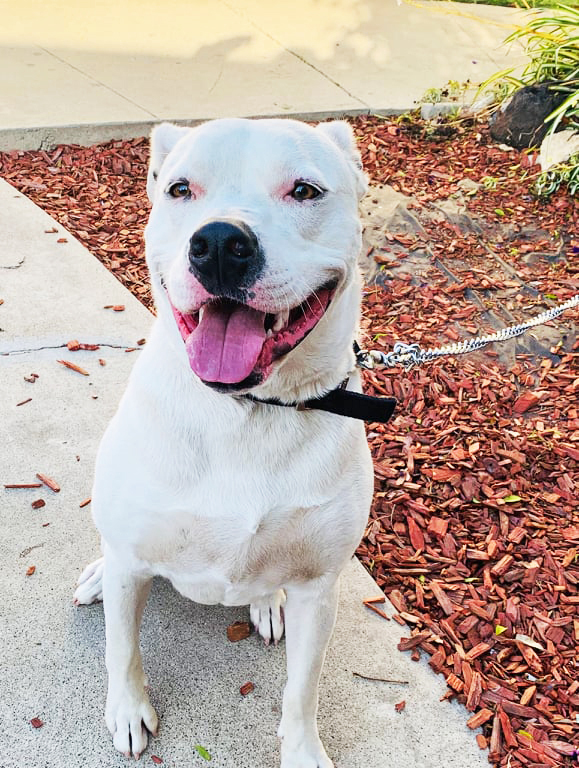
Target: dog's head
[[253, 243]]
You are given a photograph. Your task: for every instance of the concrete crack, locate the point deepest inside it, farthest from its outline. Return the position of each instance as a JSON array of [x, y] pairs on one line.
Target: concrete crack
[[65, 346], [99, 82], [15, 266], [296, 55]]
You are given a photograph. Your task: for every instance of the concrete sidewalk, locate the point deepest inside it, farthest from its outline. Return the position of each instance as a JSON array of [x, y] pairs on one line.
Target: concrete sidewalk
[[52, 654], [76, 72]]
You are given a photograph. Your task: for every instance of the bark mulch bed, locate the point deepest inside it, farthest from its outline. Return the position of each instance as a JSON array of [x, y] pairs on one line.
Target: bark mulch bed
[[474, 531]]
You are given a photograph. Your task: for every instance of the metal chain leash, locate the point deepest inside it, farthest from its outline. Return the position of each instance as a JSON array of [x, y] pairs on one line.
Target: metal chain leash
[[411, 355]]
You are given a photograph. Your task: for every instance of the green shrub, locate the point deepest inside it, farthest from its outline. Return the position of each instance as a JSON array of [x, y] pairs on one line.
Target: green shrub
[[552, 42], [566, 173]]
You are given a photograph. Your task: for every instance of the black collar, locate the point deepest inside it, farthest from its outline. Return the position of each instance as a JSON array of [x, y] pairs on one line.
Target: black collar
[[343, 402]]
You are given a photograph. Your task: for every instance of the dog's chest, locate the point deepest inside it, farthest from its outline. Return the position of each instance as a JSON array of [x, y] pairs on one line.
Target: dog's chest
[[234, 508], [231, 560]]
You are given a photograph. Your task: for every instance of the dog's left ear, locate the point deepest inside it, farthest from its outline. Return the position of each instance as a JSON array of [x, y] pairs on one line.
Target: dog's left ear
[[163, 139], [341, 133]]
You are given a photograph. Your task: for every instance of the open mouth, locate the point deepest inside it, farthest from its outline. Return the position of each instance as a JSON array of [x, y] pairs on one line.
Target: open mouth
[[229, 343]]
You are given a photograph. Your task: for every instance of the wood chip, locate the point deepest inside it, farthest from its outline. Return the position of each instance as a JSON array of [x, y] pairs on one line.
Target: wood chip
[[373, 600], [496, 742], [377, 610], [480, 718], [408, 643], [49, 482], [526, 401], [503, 565], [474, 692], [38, 504], [443, 599], [477, 651], [237, 631], [506, 728], [455, 683], [73, 367]]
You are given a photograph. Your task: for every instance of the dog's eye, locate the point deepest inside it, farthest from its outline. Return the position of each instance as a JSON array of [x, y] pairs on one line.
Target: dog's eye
[[180, 189], [304, 191]]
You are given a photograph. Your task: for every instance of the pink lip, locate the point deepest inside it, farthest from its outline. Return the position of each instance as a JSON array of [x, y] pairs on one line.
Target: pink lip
[[301, 321]]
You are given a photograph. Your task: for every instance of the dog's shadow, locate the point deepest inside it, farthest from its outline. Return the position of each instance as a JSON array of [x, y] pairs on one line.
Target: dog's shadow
[[195, 674]]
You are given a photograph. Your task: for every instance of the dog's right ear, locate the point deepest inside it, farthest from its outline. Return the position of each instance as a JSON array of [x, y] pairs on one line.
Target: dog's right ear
[[163, 139], [341, 133]]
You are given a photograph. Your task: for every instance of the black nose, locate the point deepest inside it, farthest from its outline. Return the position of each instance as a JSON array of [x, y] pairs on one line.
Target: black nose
[[224, 255]]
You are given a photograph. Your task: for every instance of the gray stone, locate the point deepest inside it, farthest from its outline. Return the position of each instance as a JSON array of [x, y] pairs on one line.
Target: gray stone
[[431, 110]]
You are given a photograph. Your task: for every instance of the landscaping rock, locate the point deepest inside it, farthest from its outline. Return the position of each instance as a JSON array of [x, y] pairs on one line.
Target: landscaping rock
[[520, 122], [432, 110], [558, 148]]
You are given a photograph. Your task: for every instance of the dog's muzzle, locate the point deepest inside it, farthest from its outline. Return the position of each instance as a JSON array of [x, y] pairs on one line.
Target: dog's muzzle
[[232, 345], [225, 257]]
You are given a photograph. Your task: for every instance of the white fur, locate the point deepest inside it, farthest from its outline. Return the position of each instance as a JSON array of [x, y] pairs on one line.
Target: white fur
[[233, 501]]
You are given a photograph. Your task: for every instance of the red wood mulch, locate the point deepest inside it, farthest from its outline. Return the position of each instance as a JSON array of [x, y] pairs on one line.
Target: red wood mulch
[[474, 532]]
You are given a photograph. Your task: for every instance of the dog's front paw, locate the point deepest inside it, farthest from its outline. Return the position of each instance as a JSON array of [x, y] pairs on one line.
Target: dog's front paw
[[130, 718], [267, 616], [305, 756], [90, 584], [301, 747]]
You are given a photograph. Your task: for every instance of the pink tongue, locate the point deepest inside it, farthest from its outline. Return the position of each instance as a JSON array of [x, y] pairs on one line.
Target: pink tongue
[[227, 342]]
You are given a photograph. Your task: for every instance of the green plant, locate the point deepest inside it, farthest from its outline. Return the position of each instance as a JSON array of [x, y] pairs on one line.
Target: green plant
[[489, 182], [552, 42], [567, 173], [452, 91]]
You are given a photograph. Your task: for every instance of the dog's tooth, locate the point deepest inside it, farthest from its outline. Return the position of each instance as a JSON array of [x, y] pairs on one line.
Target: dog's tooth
[[280, 320], [269, 334], [201, 311]]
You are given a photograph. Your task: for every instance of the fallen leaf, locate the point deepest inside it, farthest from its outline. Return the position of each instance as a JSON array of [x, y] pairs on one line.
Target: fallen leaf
[[203, 752], [526, 640]]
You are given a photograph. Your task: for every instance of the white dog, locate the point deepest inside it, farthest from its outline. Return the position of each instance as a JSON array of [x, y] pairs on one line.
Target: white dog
[[252, 246]]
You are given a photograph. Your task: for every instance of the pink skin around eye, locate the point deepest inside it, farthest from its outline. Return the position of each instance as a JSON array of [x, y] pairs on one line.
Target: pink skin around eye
[[196, 190], [283, 190]]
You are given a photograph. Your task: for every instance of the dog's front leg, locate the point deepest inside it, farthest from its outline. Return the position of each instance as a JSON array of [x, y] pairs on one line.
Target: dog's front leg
[[310, 615], [129, 714]]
